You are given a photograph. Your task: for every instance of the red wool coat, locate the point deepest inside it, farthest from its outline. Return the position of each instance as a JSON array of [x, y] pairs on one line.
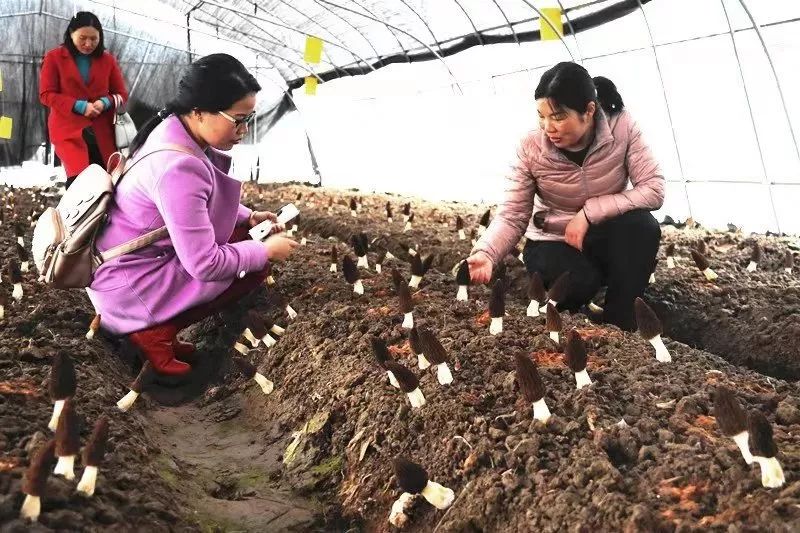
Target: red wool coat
[[60, 86]]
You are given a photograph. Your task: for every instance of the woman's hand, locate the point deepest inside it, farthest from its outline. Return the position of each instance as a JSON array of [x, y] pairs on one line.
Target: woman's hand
[[480, 267], [257, 217], [279, 247], [99, 106], [91, 111], [576, 230]]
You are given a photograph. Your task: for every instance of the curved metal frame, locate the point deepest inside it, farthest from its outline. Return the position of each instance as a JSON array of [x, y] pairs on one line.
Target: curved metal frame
[[431, 50], [425, 23], [508, 22], [337, 15], [757, 28], [572, 31], [471, 23], [666, 104], [560, 37], [375, 17], [752, 118], [356, 57], [284, 26]]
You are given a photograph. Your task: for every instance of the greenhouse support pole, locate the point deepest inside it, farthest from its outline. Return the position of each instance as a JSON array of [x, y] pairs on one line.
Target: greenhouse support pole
[[666, 104], [765, 176]]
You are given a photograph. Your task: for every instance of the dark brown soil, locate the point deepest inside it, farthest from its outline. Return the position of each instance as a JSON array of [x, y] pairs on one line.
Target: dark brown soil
[[217, 459]]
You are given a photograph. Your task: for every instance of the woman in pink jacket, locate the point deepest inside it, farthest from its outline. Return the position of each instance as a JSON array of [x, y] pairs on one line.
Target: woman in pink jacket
[[569, 195], [207, 261]]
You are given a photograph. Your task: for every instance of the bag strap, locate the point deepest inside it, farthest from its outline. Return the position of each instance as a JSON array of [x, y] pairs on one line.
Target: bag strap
[[152, 236]]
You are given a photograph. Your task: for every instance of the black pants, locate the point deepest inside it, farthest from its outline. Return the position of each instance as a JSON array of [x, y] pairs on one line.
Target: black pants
[[94, 152], [619, 253]]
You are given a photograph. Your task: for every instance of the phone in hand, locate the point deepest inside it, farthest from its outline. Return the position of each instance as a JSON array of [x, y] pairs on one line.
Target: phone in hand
[[285, 215]]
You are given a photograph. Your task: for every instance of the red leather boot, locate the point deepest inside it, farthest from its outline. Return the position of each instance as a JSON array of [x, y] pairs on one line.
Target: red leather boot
[[182, 349], [156, 344]]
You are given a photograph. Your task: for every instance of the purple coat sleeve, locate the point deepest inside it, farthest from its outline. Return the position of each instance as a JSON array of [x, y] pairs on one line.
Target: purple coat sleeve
[[181, 196], [645, 176], [243, 216], [515, 212]]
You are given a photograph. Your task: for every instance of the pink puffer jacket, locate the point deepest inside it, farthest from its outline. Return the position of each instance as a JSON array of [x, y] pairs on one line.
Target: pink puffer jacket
[[543, 179]]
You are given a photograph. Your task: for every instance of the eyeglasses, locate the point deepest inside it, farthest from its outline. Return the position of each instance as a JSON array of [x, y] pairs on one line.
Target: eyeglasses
[[239, 122]]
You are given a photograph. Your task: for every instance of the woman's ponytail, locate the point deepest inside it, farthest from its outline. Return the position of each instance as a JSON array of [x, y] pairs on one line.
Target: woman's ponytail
[[607, 95]]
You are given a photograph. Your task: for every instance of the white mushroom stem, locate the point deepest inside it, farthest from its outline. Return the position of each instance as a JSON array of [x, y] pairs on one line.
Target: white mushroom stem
[[543, 308], [90, 334], [481, 229], [21, 241], [269, 341], [414, 283], [241, 348], [710, 274], [670, 262], [127, 401], [752, 266], [554, 336], [788, 270], [378, 268], [742, 441], [397, 516], [250, 337], [291, 312], [594, 308], [266, 385], [443, 374], [88, 480], [303, 241], [23, 266], [407, 227], [277, 330], [582, 379], [353, 213], [392, 380], [289, 232], [408, 320], [416, 398], [521, 258], [652, 278], [662, 354], [294, 228], [389, 220], [57, 407], [423, 362], [438, 495], [66, 467], [533, 308], [2, 312], [31, 508], [358, 287], [462, 295], [270, 280], [17, 292], [390, 256], [771, 472], [405, 218], [474, 242], [333, 267], [496, 325], [461, 235], [412, 252], [541, 411], [363, 262]]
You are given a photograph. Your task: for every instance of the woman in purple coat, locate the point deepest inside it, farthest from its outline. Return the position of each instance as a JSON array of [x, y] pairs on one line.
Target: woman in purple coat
[[207, 261]]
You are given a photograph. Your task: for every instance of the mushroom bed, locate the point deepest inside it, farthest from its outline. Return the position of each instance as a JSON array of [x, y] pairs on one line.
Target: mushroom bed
[[638, 450]]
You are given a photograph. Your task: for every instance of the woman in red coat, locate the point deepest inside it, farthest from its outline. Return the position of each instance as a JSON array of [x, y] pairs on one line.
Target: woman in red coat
[[77, 83]]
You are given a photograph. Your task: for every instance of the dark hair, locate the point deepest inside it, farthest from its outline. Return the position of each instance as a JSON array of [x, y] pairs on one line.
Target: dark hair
[[83, 19], [212, 83], [570, 85]]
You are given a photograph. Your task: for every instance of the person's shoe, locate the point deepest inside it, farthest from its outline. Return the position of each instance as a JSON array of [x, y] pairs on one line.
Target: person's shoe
[[156, 344]]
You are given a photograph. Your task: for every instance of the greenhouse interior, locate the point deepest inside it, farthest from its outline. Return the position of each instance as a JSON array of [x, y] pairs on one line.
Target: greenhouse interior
[[420, 265]]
